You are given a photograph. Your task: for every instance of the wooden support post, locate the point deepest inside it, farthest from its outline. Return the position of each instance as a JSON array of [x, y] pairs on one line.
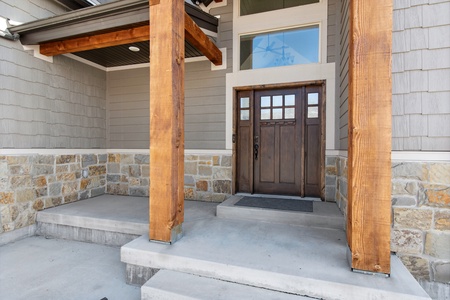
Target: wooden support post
[[369, 155], [166, 119]]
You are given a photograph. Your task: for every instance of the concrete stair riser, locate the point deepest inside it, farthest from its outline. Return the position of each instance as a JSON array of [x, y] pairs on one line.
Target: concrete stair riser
[[169, 285], [84, 234], [325, 215], [259, 278]]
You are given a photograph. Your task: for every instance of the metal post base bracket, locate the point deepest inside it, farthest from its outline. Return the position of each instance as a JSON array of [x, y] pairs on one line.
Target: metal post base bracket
[[175, 235]]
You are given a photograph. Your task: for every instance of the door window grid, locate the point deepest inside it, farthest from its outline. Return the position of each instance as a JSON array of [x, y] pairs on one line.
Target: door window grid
[[277, 107]]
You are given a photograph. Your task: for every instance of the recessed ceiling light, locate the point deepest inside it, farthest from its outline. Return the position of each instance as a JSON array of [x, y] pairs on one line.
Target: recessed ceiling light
[[134, 49]]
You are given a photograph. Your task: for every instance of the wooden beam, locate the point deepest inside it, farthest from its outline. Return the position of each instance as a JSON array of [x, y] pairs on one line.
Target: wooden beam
[[200, 40], [166, 120], [121, 37], [194, 35], [369, 155]]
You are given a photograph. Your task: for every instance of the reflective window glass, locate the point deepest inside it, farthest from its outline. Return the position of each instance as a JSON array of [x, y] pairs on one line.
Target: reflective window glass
[[289, 113], [265, 114], [245, 115], [313, 98], [313, 112], [280, 48], [265, 101], [277, 113], [277, 101], [245, 102], [289, 100]]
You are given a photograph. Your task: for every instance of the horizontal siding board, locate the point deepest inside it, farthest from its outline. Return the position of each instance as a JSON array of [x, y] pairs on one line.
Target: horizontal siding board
[[130, 136], [130, 105], [128, 100], [129, 121], [143, 128], [200, 127], [129, 113], [204, 109], [128, 90]]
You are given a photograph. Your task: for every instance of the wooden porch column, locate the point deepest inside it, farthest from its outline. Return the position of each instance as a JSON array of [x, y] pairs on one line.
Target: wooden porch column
[[166, 119], [369, 155]]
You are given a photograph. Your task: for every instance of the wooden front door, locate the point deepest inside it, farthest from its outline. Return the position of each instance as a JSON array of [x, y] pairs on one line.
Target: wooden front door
[[279, 141]]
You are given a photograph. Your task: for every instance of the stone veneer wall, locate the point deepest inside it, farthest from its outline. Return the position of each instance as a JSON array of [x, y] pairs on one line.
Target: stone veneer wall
[[207, 177], [341, 185], [330, 178], [420, 219], [29, 183]]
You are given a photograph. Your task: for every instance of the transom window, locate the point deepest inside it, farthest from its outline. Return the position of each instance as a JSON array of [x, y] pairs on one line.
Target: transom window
[[249, 7], [280, 48]]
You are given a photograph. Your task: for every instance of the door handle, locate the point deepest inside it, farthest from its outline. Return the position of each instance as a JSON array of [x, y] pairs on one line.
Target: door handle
[[256, 146]]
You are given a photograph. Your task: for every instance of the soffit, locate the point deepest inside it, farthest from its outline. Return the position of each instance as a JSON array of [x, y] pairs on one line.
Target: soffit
[[105, 18]]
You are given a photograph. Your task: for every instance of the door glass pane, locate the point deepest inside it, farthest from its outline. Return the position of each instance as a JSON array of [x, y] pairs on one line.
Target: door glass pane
[[265, 101], [245, 115], [313, 112], [245, 102], [280, 48], [289, 113], [289, 100], [249, 7], [313, 98], [277, 101], [265, 114], [277, 113]]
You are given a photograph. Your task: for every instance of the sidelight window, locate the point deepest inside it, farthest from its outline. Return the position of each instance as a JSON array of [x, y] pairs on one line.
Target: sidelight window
[[244, 104], [313, 105]]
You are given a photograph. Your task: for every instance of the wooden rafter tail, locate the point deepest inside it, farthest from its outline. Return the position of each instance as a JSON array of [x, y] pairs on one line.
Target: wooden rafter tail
[[200, 40], [104, 40]]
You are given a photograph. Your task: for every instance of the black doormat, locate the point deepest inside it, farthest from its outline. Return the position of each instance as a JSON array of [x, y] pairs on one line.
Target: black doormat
[[276, 203]]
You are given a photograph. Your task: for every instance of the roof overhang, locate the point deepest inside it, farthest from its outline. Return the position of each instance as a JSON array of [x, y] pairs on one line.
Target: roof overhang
[[106, 18]]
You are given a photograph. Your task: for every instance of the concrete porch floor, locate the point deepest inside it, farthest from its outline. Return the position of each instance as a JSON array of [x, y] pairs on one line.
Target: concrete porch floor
[[282, 257]]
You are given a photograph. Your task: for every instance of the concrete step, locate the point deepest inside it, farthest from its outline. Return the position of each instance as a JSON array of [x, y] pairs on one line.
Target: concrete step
[[169, 285], [324, 215], [306, 261], [110, 220]]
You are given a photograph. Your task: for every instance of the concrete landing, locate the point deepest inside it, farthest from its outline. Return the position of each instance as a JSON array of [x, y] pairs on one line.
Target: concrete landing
[[37, 268], [108, 219], [300, 260], [169, 285], [324, 215], [108, 212]]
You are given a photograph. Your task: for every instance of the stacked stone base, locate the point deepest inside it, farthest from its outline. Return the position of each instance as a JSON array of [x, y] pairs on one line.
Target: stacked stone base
[[32, 182], [420, 234]]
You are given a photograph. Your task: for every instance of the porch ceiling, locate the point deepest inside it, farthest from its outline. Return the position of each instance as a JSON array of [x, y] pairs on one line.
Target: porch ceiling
[[106, 18]]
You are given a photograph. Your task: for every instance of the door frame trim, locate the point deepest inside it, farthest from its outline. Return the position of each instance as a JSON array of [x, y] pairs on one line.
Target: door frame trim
[[237, 89]]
